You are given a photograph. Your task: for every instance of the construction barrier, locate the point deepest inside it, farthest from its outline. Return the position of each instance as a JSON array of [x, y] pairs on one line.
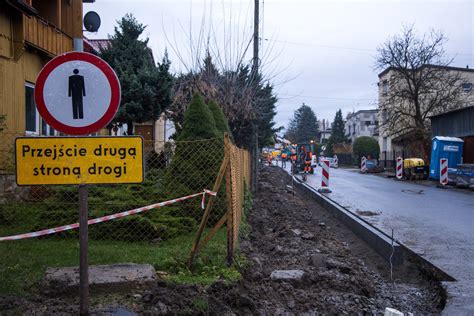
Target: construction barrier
[[363, 166], [325, 177], [399, 169], [107, 218], [443, 171], [336, 161]]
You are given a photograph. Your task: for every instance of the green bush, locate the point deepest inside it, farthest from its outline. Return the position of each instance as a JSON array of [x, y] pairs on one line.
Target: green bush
[[222, 124], [365, 146], [193, 167], [197, 158]]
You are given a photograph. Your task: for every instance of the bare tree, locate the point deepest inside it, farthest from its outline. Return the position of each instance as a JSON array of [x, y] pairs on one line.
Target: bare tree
[[217, 66], [417, 83]]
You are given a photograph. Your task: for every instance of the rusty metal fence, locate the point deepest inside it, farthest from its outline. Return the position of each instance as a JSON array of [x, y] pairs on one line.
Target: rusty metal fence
[[172, 170]]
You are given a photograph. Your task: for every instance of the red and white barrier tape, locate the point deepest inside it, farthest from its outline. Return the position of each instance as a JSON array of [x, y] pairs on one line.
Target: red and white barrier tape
[[108, 217]]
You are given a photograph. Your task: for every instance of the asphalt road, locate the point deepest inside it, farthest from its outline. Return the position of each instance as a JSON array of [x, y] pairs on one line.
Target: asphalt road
[[438, 224]]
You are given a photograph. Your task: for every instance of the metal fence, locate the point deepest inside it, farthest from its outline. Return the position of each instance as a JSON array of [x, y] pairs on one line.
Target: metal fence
[[172, 170], [388, 159]]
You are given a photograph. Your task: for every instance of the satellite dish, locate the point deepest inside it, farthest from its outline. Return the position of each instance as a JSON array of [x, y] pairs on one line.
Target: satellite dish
[[91, 21]]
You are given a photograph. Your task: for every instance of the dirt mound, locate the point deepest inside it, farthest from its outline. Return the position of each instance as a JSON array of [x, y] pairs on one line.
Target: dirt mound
[[335, 272], [341, 274]]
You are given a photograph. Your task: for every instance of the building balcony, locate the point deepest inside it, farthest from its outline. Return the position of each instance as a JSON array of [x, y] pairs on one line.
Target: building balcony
[[41, 35]]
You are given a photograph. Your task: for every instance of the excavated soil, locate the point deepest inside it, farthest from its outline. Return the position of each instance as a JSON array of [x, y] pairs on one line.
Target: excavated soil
[[341, 274]]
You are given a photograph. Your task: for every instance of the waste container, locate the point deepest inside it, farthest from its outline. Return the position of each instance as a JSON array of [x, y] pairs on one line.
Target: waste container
[[445, 147]]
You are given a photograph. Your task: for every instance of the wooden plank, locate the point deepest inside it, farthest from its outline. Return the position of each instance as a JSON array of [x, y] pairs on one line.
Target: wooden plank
[[230, 211], [213, 231], [59, 14], [205, 217], [76, 19]]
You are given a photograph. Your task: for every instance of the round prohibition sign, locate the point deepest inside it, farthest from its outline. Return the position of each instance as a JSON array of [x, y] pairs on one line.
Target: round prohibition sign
[[77, 93]]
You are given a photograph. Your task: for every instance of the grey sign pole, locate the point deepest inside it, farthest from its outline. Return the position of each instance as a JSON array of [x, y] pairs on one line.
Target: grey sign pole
[[83, 231], [83, 251]]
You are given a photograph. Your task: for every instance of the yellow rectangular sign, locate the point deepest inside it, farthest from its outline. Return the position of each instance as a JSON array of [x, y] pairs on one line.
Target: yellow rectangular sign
[[79, 160]]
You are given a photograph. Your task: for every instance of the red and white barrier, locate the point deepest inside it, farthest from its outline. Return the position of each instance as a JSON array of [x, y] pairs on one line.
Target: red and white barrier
[[325, 177], [336, 161], [108, 217], [399, 169], [363, 166], [443, 171]]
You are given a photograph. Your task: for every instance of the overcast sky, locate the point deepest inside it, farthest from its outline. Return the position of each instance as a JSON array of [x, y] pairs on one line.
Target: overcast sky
[[320, 52]]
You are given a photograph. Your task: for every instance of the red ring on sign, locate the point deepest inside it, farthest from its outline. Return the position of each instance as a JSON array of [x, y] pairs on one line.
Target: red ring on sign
[[106, 70]]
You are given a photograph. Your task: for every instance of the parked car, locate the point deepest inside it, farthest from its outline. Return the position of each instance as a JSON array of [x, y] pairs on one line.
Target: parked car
[[372, 166], [332, 161]]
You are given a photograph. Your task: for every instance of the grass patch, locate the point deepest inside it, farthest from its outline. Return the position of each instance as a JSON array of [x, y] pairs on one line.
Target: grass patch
[[23, 263]]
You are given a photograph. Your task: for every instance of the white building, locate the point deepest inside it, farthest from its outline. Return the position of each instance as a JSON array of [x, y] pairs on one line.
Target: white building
[[362, 123], [324, 131], [397, 143]]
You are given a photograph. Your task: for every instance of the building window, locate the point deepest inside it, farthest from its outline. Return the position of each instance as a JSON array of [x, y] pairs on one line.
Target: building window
[[46, 130], [467, 87], [35, 124], [384, 144], [31, 118], [385, 86]]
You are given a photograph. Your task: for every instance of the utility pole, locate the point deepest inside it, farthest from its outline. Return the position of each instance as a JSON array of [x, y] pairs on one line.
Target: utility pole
[[255, 39], [254, 77]]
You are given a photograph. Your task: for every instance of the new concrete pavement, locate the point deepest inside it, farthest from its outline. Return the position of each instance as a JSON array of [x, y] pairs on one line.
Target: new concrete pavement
[[438, 224]]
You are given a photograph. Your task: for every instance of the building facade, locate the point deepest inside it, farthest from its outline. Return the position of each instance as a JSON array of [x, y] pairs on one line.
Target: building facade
[[32, 32], [395, 144], [362, 123], [458, 123]]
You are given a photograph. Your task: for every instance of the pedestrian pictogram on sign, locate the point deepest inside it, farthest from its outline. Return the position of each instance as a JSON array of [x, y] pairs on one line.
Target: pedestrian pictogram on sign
[[77, 93]]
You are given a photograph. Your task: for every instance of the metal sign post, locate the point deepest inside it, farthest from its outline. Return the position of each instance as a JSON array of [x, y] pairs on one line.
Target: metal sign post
[[78, 93], [83, 251]]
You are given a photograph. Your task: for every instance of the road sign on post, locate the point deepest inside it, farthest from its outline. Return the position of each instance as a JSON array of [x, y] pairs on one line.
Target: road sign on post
[[77, 93]]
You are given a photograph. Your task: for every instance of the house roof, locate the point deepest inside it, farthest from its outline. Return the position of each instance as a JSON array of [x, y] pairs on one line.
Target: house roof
[[363, 111], [23, 7], [97, 44], [466, 108], [448, 139], [103, 43], [430, 66]]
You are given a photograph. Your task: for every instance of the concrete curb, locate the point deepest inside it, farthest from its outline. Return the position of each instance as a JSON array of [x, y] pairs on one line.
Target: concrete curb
[[373, 237], [456, 301]]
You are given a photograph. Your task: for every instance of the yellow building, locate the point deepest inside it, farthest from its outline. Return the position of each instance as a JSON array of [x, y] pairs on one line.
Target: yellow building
[[31, 33]]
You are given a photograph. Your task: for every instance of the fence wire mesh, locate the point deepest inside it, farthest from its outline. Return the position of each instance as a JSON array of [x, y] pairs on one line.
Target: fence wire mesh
[[240, 177], [172, 170]]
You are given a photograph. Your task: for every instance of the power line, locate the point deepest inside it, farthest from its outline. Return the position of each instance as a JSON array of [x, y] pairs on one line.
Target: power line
[[321, 97], [342, 47], [319, 45]]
